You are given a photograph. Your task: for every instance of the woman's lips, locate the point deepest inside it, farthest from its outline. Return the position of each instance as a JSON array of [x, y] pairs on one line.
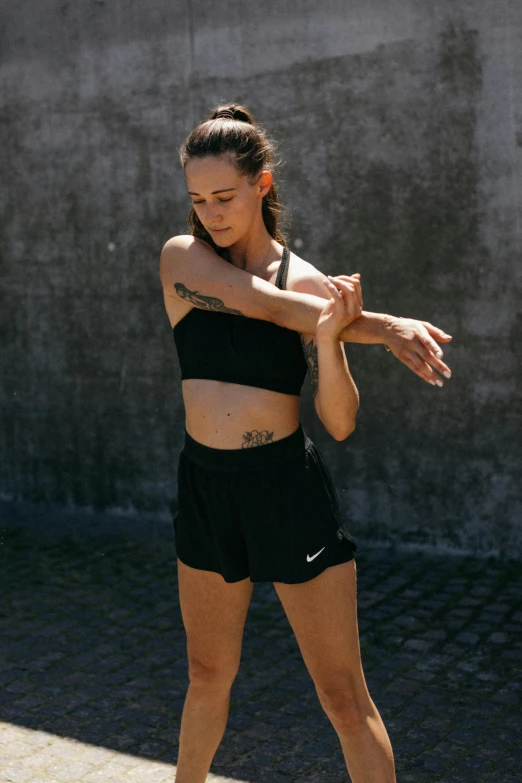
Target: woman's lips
[[218, 230]]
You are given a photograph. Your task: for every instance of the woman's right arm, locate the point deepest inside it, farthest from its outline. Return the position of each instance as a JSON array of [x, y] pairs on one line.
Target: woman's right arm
[[193, 272]]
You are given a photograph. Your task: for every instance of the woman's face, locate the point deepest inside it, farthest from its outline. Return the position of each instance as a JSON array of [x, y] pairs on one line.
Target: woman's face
[[227, 204]]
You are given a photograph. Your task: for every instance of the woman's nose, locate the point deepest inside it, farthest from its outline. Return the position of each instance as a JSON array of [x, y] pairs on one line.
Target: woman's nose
[[213, 213]]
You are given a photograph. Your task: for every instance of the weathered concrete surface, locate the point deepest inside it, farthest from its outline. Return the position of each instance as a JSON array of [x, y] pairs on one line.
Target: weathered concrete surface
[[401, 128]]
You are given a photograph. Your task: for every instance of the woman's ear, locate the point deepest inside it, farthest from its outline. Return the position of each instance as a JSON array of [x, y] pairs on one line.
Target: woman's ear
[[264, 183]]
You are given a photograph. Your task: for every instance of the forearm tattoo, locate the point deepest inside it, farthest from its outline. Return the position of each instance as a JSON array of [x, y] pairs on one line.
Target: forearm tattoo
[[203, 302], [256, 438], [310, 355]]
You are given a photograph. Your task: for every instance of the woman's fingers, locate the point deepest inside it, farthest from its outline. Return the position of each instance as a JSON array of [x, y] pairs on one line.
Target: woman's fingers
[[345, 299], [423, 348], [412, 335], [424, 357], [351, 293], [332, 289], [436, 333], [418, 345], [340, 289], [350, 284], [423, 369], [429, 342], [422, 363]]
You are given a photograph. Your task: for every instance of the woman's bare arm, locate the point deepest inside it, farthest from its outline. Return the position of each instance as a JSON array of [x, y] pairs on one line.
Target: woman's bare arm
[[413, 342], [191, 271], [335, 395]]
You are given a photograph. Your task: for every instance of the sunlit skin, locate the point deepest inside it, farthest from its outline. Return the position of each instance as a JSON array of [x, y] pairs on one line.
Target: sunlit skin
[[216, 411], [229, 206], [232, 216]]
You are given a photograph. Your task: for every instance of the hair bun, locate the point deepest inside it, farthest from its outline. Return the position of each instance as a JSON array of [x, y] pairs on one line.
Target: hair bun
[[232, 111]]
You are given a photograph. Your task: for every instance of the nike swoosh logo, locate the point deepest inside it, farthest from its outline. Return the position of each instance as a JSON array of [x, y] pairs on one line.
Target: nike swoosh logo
[[309, 559]]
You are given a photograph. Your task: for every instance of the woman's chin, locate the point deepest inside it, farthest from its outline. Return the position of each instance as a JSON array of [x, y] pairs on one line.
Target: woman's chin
[[222, 238]]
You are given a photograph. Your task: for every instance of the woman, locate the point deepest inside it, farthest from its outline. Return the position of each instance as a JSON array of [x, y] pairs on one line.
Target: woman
[[256, 500]]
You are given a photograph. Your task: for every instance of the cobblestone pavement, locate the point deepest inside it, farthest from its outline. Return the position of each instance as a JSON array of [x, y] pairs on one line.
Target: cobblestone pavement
[[93, 668]]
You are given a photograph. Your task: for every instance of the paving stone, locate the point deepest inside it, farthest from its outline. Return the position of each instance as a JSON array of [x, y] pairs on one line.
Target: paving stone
[[440, 648], [490, 618], [16, 773], [506, 697], [499, 608], [416, 674], [512, 655], [498, 637], [430, 763], [65, 771], [467, 637], [435, 633], [109, 772]]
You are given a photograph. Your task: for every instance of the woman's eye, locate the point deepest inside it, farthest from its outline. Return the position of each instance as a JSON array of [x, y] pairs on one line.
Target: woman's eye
[[221, 200]]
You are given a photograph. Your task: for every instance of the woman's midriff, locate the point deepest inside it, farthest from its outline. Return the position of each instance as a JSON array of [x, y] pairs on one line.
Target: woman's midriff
[[230, 416]]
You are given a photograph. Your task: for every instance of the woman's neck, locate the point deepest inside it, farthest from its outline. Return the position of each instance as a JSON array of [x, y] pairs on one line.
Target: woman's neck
[[253, 254]]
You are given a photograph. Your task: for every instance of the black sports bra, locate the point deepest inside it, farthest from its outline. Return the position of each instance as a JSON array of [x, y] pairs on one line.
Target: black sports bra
[[237, 349]]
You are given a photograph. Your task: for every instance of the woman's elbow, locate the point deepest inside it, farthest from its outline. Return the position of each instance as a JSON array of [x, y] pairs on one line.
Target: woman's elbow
[[341, 434]]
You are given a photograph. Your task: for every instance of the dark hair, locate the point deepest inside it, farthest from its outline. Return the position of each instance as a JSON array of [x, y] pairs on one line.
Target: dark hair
[[232, 129]]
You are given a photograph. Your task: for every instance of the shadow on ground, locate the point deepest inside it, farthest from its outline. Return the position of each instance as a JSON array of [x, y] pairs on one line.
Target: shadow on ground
[[93, 648]]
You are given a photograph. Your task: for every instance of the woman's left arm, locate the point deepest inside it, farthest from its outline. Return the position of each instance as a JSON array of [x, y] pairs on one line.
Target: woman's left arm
[[411, 341], [336, 398]]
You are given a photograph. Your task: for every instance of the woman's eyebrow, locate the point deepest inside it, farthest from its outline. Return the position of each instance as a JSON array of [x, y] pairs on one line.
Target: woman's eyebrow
[[223, 190]]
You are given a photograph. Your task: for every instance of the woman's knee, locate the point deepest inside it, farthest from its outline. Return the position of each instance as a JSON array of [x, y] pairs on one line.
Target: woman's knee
[[346, 703], [208, 673]]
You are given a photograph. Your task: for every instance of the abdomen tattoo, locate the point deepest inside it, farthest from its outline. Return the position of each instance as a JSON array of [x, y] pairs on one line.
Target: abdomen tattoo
[[202, 301], [256, 438]]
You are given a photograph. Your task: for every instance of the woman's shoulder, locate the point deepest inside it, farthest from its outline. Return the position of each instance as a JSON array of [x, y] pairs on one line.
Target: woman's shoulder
[[182, 250], [304, 277], [183, 242]]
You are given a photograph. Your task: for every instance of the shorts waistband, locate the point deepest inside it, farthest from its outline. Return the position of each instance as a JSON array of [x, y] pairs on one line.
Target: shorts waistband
[[252, 458]]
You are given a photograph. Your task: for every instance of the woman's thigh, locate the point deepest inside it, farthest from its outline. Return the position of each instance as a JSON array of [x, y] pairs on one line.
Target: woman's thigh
[[323, 616], [214, 613]]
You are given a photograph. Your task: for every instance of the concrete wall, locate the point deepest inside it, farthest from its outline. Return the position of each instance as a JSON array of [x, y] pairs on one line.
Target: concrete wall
[[401, 127]]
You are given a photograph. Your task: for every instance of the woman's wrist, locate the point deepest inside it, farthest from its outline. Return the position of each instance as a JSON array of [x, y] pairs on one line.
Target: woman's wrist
[[388, 324], [326, 339], [369, 328]]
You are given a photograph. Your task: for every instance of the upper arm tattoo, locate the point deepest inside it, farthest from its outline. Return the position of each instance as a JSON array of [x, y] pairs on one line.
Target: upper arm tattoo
[[202, 301], [310, 355]]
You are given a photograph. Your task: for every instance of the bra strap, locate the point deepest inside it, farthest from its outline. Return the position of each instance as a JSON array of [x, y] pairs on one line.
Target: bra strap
[[282, 272]]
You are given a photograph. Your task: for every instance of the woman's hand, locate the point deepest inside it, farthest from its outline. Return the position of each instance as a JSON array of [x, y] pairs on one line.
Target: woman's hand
[[344, 306], [414, 343]]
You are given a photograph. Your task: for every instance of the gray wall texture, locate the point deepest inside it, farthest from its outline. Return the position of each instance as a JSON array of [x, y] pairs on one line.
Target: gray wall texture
[[400, 126]]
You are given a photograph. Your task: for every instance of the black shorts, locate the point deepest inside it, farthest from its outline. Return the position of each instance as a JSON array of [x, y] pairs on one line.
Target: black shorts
[[268, 512]]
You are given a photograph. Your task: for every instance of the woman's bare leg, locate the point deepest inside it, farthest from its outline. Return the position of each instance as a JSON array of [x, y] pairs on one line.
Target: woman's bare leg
[[323, 615], [214, 614]]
